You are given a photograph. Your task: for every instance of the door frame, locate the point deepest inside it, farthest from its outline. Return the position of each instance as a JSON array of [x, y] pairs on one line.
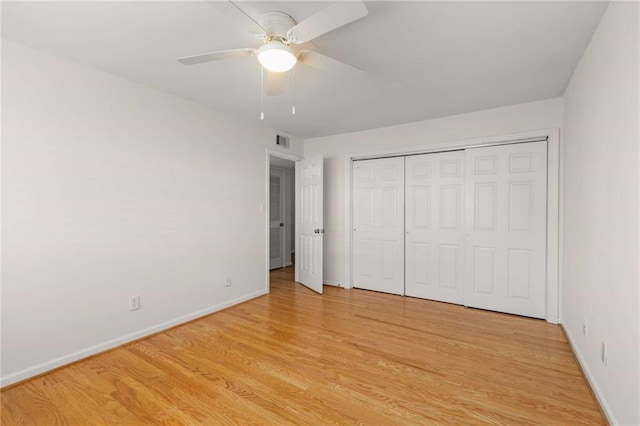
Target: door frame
[[554, 202], [264, 205]]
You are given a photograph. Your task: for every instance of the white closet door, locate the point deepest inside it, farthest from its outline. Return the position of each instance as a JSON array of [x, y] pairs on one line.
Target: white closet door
[[506, 208], [378, 221], [435, 226]]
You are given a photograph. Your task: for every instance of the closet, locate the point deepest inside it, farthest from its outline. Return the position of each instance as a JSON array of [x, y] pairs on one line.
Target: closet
[[465, 227]]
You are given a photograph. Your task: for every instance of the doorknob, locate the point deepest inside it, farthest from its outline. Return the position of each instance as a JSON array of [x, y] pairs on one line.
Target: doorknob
[[281, 224]]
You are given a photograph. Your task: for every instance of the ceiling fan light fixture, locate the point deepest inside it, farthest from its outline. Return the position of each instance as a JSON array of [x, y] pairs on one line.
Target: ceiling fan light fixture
[[276, 57]]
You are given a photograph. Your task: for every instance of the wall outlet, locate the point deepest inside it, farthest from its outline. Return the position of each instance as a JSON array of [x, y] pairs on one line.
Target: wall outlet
[[585, 330], [227, 281], [134, 303], [603, 353]]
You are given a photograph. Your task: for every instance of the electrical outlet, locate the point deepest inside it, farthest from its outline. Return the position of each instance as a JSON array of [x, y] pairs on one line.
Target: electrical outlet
[[227, 281], [585, 330], [134, 303], [603, 353]]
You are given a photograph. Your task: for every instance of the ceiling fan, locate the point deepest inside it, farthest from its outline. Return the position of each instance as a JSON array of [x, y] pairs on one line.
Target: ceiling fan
[[280, 35]]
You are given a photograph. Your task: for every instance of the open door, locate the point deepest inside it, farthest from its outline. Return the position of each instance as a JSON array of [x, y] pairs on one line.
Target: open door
[[309, 223]]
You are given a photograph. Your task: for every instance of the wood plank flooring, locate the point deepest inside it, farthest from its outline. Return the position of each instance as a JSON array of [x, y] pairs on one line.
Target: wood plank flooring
[[346, 357]]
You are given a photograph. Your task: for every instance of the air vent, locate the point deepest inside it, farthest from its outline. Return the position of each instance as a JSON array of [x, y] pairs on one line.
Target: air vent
[[282, 141]]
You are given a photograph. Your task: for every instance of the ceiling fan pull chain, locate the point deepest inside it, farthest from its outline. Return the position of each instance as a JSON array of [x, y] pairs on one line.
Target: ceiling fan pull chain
[[261, 92]]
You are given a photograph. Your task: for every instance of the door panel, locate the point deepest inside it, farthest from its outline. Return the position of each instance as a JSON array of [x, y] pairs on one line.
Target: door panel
[[434, 226], [419, 254], [450, 260], [378, 221], [506, 214], [483, 267], [309, 223]]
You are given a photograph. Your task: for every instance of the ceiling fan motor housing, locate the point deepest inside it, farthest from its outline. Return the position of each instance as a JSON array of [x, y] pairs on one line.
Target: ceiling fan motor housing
[[277, 24]]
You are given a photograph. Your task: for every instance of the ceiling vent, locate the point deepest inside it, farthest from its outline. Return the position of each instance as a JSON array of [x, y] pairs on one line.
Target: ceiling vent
[[282, 141]]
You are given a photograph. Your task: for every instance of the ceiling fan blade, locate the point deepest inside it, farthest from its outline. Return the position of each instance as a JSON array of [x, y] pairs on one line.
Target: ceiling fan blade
[[275, 83], [334, 16], [240, 16], [216, 56], [334, 66]]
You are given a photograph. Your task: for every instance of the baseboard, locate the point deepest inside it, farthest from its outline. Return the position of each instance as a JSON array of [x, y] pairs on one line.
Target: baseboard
[[48, 366], [606, 410], [332, 282]]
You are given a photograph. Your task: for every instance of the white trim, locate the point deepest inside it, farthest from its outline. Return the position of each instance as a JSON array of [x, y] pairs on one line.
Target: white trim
[[560, 227], [464, 144], [114, 343], [553, 224], [283, 155], [264, 205], [554, 289], [608, 413], [348, 279]]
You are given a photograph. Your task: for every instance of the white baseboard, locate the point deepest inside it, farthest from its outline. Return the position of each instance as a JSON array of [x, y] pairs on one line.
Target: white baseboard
[[333, 283], [114, 343], [587, 373]]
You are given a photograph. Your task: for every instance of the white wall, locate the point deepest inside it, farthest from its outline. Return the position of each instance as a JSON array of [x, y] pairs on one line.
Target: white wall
[[112, 189], [601, 148], [337, 149]]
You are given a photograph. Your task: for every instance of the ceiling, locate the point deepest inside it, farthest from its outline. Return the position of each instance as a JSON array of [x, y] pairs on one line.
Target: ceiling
[[423, 59]]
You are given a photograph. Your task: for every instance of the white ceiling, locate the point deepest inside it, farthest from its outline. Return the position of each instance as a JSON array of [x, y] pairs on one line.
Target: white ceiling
[[424, 59]]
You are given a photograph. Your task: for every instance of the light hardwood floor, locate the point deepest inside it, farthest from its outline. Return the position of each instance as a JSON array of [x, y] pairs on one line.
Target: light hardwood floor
[[347, 357]]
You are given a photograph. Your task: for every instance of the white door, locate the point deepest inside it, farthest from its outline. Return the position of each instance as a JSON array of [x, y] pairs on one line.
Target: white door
[[276, 219], [378, 222], [434, 221], [309, 223], [506, 207]]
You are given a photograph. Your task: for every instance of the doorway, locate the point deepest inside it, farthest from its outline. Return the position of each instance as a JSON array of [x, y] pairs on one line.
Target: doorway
[[281, 208]]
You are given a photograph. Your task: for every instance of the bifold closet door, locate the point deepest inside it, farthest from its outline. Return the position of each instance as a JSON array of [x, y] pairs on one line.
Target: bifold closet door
[[506, 210], [435, 226], [378, 225]]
